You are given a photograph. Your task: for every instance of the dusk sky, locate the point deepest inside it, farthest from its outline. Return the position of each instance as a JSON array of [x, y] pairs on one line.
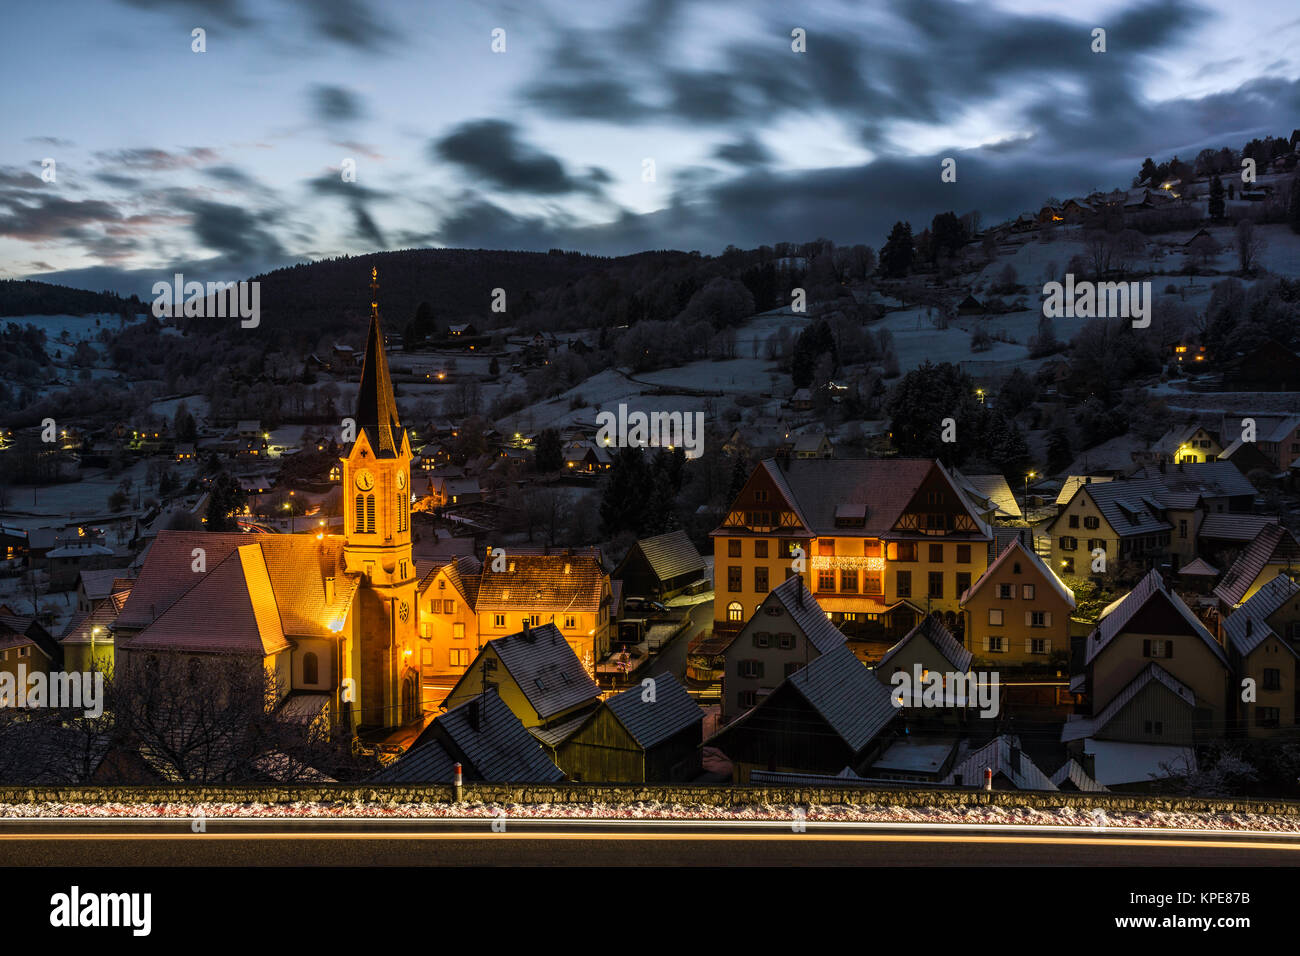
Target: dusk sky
[[226, 163]]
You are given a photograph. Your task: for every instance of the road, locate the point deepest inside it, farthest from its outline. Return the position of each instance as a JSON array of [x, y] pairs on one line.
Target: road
[[626, 843]]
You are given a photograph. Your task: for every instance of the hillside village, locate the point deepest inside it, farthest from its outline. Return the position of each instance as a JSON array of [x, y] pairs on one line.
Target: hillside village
[[1103, 543]]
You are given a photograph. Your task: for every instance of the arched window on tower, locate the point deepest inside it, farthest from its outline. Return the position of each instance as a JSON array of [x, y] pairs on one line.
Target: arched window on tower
[[361, 513], [370, 514], [401, 511]]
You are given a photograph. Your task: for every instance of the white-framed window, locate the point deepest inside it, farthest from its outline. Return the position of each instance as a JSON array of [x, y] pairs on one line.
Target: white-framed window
[[570, 621], [498, 620], [995, 616], [1027, 592], [997, 644], [459, 657], [751, 668], [458, 631]]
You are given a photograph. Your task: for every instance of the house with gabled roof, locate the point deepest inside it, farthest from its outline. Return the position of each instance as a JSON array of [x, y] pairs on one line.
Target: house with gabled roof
[[661, 566], [1262, 636], [824, 717], [569, 588], [537, 675], [1273, 553], [650, 732], [991, 493], [1152, 625], [1276, 437], [1073, 778], [1149, 519], [1002, 757], [1185, 444], [485, 738], [788, 630], [929, 644], [870, 533], [449, 637], [1018, 612]]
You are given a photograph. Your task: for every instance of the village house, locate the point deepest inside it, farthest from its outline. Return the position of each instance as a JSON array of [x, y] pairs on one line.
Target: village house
[[788, 630], [830, 715], [1011, 768], [1153, 675], [1147, 520], [465, 602], [1277, 437], [485, 738], [448, 492], [1262, 636], [537, 675], [661, 567], [1188, 444], [931, 648], [1273, 553], [1018, 611], [877, 537], [650, 732]]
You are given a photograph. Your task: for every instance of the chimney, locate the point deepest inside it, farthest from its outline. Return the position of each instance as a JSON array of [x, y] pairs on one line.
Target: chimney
[[472, 715], [329, 589], [798, 590], [527, 633]]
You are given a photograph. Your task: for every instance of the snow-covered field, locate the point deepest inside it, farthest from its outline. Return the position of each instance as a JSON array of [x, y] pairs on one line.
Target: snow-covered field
[[1081, 816]]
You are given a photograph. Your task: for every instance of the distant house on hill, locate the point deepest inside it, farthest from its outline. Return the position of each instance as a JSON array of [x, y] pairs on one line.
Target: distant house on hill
[[971, 306]]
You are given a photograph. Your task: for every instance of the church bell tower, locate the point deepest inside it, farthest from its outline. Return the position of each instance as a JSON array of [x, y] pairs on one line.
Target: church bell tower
[[377, 531]]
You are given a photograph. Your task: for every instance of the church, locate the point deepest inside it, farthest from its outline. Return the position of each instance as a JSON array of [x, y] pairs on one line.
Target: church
[[333, 617]]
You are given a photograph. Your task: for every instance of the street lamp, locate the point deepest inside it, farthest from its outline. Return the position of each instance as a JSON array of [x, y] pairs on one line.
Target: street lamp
[[289, 508], [93, 631]]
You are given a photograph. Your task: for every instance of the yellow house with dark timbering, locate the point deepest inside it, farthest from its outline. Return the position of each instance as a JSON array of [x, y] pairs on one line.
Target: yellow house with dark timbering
[[879, 541], [1018, 612]]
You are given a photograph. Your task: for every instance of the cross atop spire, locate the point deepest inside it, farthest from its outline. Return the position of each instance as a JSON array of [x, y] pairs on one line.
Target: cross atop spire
[[376, 405]]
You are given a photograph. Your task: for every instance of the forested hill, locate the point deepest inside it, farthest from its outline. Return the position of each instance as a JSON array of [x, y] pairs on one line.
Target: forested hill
[[29, 297]]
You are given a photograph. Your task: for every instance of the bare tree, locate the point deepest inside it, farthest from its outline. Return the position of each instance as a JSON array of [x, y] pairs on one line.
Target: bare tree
[[1249, 246]]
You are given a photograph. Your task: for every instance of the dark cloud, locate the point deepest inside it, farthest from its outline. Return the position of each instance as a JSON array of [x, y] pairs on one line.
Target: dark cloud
[[117, 180], [350, 23], [491, 149], [358, 198], [154, 159], [234, 231], [51, 141], [51, 217], [230, 175], [744, 152], [334, 104]]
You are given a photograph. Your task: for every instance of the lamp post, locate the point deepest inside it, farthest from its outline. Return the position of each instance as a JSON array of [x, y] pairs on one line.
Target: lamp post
[[93, 631], [1028, 475], [289, 508]]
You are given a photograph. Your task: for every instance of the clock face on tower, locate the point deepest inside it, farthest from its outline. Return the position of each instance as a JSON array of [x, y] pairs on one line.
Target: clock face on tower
[[365, 480], [401, 479]]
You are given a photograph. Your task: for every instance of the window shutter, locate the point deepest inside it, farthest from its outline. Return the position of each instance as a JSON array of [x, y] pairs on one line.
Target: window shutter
[[1029, 619], [1047, 618], [1029, 645], [986, 642], [1047, 647]]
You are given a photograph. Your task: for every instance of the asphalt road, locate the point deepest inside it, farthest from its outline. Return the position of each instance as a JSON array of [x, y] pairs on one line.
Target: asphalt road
[[473, 843]]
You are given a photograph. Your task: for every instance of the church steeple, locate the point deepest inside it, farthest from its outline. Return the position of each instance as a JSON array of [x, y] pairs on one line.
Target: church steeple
[[376, 406]]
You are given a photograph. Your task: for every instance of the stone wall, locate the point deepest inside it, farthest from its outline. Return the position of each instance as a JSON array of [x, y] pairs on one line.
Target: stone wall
[[719, 796]]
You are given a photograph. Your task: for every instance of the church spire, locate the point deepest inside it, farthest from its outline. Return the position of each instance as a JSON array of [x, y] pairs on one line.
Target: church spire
[[376, 406]]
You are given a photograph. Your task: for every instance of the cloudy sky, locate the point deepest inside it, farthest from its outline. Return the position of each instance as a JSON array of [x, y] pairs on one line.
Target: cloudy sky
[[228, 162]]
